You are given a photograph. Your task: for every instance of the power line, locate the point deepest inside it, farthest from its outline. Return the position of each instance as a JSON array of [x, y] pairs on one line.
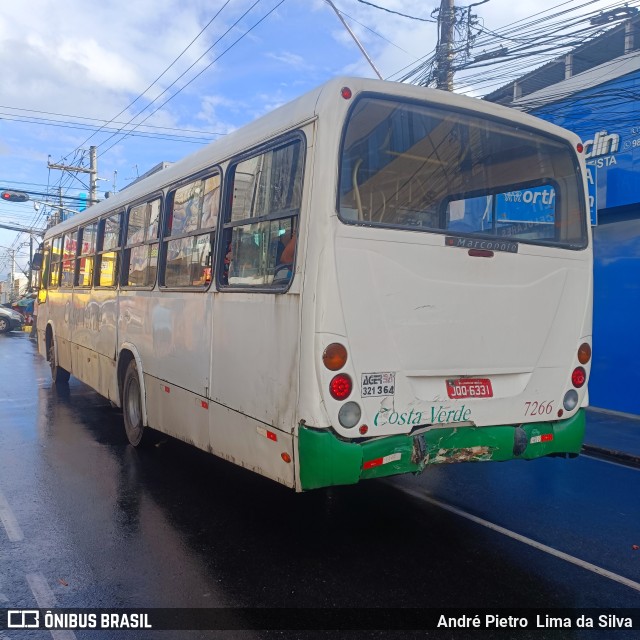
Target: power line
[[201, 72], [174, 82], [397, 13], [107, 122], [83, 127], [163, 73]]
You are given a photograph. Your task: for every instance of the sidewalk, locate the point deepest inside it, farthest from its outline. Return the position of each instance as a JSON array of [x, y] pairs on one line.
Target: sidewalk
[[613, 436]]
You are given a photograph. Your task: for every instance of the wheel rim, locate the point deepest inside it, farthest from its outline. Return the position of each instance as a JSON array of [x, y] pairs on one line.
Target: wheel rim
[[3, 324], [133, 409]]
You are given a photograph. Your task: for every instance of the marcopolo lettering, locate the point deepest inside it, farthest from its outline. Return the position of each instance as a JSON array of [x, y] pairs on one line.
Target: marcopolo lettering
[[487, 245]]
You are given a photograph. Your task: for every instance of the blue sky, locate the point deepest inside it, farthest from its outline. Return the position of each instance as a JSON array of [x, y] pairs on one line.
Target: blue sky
[[82, 62]]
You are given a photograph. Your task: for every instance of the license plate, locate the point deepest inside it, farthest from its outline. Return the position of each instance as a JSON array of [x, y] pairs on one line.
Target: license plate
[[382, 383], [469, 388]]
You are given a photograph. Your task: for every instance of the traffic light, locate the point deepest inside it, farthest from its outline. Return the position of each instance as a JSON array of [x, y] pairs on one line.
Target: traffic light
[[14, 196]]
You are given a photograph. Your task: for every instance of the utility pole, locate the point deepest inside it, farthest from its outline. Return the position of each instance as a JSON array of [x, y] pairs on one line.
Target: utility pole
[[92, 171], [444, 54], [12, 253], [30, 261], [60, 209]]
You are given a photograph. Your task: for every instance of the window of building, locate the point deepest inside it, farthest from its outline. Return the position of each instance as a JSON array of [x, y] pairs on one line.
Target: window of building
[[108, 256], [190, 232], [260, 234], [141, 248]]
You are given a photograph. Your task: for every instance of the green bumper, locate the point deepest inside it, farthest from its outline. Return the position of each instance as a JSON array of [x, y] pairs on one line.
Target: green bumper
[[326, 460]]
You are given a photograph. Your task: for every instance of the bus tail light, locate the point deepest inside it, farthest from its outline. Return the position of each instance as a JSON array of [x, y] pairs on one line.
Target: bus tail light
[[578, 377], [340, 387], [584, 353], [349, 415], [335, 356]]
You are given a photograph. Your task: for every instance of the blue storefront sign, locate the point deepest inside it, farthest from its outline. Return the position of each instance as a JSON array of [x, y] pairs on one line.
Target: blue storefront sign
[[606, 118]]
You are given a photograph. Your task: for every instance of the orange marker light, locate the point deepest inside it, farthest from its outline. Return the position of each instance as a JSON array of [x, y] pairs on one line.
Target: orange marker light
[[335, 356], [286, 457], [584, 353]]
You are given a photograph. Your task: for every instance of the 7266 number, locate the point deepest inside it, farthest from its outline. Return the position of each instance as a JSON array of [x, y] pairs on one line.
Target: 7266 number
[[535, 408]]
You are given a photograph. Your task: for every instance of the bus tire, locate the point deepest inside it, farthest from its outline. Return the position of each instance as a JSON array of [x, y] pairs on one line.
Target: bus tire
[[132, 407], [59, 375]]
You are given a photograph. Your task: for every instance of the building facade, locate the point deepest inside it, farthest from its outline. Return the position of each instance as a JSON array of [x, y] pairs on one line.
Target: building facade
[[595, 92]]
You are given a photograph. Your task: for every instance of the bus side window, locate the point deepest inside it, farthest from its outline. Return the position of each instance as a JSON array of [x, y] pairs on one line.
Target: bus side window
[[55, 263], [189, 234], [107, 261], [260, 233], [86, 257], [69, 252], [141, 246]]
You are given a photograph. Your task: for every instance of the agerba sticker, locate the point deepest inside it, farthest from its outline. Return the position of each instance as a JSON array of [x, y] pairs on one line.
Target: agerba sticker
[[382, 383]]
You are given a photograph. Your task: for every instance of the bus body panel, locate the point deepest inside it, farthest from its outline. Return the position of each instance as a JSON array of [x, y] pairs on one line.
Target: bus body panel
[[516, 320], [258, 333], [172, 332], [60, 305]]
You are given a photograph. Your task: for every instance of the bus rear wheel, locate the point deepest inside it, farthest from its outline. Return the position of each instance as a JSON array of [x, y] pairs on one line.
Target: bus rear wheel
[[132, 406], [59, 375]]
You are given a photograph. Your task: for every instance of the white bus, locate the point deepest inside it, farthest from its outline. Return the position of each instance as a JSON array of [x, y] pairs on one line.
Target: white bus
[[369, 280]]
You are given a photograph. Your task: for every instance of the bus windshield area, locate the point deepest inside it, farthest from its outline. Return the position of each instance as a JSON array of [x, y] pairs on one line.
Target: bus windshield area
[[418, 167]]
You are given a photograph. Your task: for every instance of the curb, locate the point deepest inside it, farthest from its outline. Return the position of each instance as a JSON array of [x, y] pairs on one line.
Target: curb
[[627, 459]]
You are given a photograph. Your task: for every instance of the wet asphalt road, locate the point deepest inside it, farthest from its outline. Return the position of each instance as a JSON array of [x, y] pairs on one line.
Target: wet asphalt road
[[103, 525]]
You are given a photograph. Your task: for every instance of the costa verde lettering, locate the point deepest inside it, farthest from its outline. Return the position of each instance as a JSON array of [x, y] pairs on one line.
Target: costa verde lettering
[[437, 415]]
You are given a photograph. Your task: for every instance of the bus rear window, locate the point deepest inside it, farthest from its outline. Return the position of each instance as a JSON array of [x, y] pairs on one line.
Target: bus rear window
[[417, 167]]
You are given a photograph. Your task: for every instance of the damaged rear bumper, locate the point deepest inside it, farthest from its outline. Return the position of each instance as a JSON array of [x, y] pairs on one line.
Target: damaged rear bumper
[[326, 460]]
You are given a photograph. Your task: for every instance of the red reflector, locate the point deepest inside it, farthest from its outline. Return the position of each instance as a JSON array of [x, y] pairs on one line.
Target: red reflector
[[578, 377], [340, 387], [378, 462], [579, 147], [167, 390], [372, 463], [286, 457], [346, 93], [546, 437], [272, 436], [204, 405], [363, 429], [480, 253]]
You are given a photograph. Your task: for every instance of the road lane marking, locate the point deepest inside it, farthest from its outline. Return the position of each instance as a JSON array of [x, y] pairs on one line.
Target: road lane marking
[[46, 600], [520, 538], [9, 521]]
